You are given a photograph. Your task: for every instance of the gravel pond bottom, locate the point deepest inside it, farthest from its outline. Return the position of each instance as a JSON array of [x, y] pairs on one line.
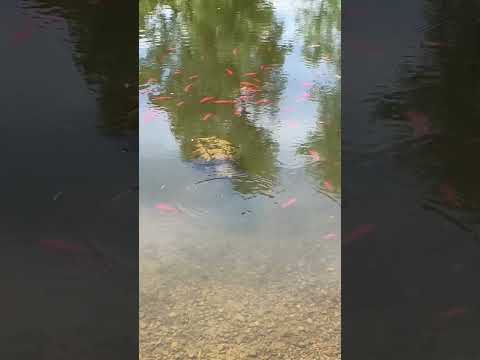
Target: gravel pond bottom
[[191, 313]]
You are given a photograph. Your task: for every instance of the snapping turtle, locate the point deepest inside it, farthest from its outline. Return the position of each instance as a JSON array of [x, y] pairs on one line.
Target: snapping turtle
[[214, 155], [212, 148]]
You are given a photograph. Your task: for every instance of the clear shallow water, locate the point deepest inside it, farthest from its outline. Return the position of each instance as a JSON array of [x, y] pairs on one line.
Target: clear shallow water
[[273, 143], [264, 208]]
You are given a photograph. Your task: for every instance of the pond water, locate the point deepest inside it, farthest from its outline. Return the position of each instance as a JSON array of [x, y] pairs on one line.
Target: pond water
[[239, 179]]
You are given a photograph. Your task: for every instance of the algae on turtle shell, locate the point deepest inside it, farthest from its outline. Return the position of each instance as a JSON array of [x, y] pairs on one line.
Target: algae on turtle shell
[[212, 148]]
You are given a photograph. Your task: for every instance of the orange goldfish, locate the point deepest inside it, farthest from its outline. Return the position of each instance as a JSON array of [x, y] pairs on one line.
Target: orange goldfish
[[207, 116], [164, 207], [328, 185], [224, 102], [249, 90], [359, 232], [330, 236], [455, 312], [263, 102], [289, 203], [248, 84], [315, 155], [420, 123], [450, 195], [61, 246], [207, 99]]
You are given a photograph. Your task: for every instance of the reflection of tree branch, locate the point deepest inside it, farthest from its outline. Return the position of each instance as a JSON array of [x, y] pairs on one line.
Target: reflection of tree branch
[[440, 210], [100, 39]]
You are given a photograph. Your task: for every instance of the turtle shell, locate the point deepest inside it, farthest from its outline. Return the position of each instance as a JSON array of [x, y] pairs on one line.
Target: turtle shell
[[212, 148]]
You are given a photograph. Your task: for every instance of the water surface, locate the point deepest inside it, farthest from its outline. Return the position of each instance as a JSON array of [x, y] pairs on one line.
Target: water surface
[[240, 200]]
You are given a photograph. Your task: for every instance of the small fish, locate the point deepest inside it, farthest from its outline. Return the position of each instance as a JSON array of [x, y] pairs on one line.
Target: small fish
[[180, 103], [288, 203], [455, 312], [263, 102], [149, 116], [151, 81], [237, 112], [164, 207], [328, 185], [304, 97], [314, 46], [235, 51], [62, 246], [360, 232], [249, 90], [162, 98], [229, 71], [250, 74], [188, 88], [177, 72], [193, 77], [170, 50], [248, 84], [420, 123], [435, 44], [315, 155], [268, 67], [223, 102], [450, 195], [207, 99], [207, 116], [23, 35], [329, 236]]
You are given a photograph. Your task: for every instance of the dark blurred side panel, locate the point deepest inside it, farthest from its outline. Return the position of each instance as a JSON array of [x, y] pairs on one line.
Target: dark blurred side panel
[[411, 211], [69, 179]]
